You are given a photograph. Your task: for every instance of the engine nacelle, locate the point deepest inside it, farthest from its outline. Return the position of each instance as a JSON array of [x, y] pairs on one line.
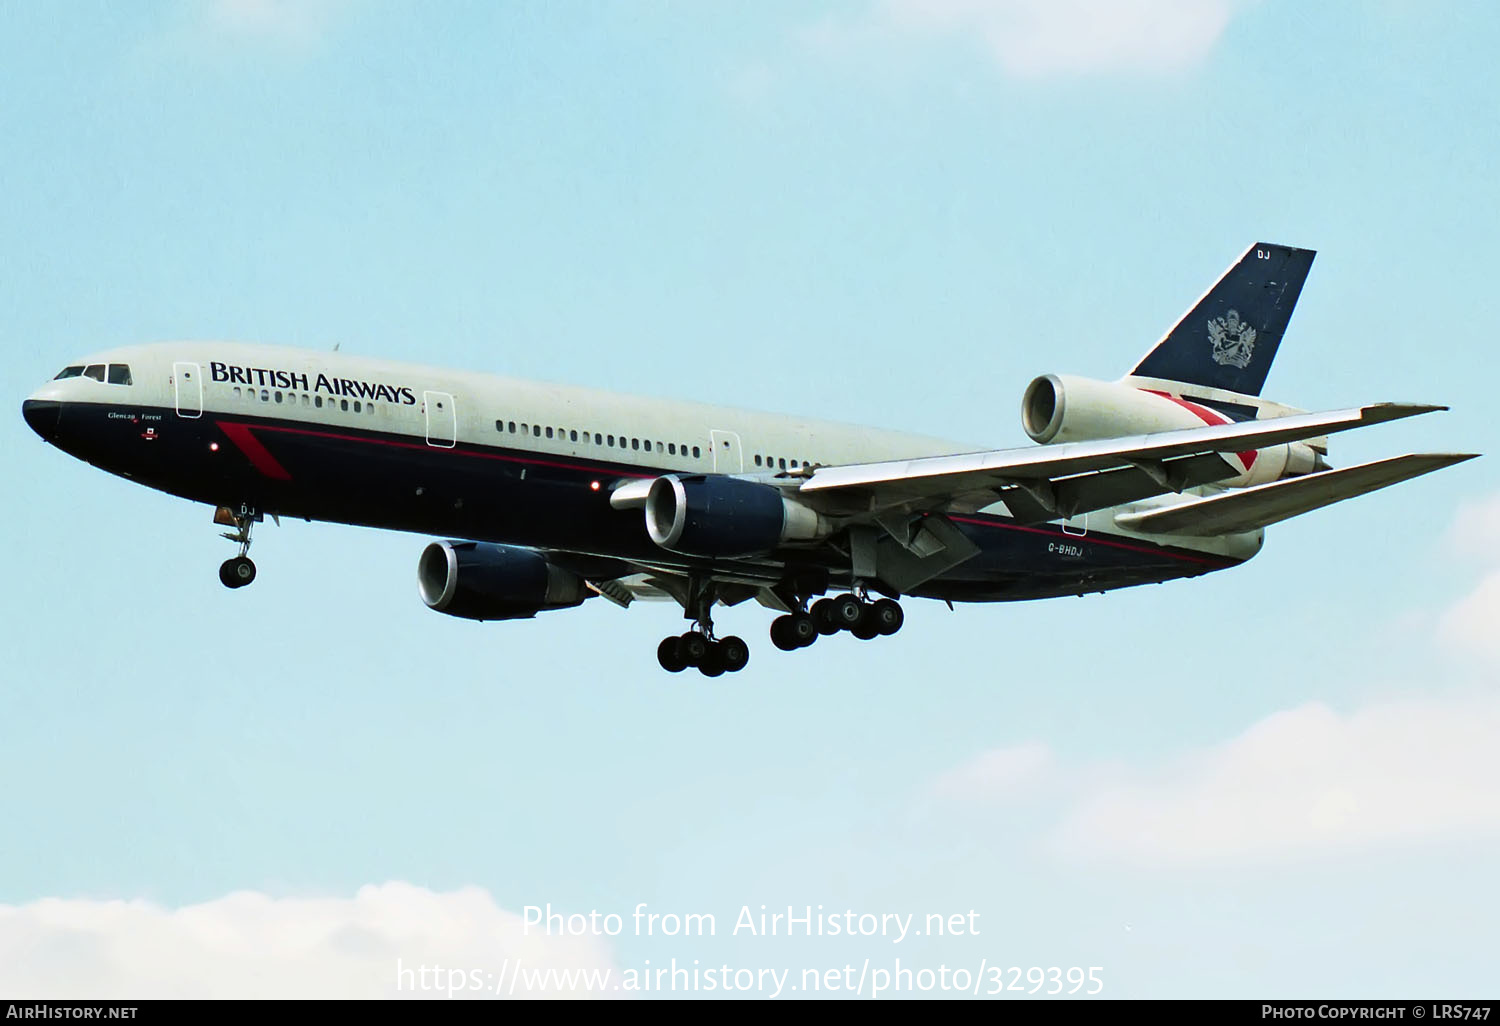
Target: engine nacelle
[[1063, 408], [479, 581], [711, 515]]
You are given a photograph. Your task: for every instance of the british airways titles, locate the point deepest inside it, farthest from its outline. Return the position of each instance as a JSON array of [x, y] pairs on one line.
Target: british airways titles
[[271, 377]]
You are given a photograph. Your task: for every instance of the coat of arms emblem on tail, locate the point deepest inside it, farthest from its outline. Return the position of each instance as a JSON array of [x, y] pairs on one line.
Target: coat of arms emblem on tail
[[1233, 340]]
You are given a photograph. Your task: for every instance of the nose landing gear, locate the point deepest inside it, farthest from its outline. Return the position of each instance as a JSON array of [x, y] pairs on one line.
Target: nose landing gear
[[238, 571]]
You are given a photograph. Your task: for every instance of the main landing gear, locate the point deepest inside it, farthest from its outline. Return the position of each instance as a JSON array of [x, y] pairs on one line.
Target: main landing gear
[[698, 647], [239, 571], [864, 619]]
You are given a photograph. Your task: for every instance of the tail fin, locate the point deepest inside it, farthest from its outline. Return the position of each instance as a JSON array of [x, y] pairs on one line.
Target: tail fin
[[1230, 336]]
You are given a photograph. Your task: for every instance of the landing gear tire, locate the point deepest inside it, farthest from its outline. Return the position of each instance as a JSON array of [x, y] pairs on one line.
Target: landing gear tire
[[735, 654], [803, 630], [669, 654], [692, 648], [867, 629], [712, 664], [848, 611], [886, 615], [822, 614], [236, 572], [781, 634]]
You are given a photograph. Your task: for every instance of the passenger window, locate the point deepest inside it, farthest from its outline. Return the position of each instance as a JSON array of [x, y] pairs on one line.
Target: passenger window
[[572, 436], [512, 427], [611, 440], [536, 431], [671, 448], [696, 453], [265, 395], [304, 400], [344, 404], [356, 406], [119, 374], [69, 372], [635, 443], [598, 438], [549, 432], [783, 463], [95, 371], [236, 391], [318, 401], [278, 397], [757, 459]]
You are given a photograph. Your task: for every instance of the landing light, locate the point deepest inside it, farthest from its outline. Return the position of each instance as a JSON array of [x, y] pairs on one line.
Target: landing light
[[593, 486], [213, 446]]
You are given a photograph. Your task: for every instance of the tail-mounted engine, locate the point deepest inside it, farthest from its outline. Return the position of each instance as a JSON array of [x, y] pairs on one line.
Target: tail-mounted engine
[[1063, 408]]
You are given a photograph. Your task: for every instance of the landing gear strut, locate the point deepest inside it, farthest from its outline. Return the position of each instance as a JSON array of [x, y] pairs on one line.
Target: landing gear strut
[[239, 571], [698, 647]]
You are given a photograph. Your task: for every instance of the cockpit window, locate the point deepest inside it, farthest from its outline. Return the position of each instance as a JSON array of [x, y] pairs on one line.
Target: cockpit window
[[95, 371], [69, 372], [119, 374]]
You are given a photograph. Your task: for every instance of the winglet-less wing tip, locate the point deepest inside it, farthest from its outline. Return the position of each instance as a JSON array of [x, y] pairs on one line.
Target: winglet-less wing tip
[[1377, 413]]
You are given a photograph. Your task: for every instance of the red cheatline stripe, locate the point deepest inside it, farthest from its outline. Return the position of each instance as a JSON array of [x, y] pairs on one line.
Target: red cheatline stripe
[[456, 451], [259, 456], [243, 431], [1096, 540], [1210, 417]]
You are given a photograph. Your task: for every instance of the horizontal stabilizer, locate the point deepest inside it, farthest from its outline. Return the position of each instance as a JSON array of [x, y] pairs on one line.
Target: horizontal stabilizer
[[1251, 508]]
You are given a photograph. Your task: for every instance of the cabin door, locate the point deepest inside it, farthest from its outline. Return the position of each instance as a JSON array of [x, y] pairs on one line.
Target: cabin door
[[187, 389], [727, 456], [442, 419]]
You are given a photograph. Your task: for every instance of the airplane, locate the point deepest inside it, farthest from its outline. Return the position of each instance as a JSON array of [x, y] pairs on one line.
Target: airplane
[[555, 495]]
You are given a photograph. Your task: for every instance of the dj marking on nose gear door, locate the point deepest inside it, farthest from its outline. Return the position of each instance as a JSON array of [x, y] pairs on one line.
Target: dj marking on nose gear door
[[553, 496]]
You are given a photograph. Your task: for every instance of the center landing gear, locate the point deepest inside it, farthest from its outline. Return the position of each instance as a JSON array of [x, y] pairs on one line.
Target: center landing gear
[[698, 647], [239, 571]]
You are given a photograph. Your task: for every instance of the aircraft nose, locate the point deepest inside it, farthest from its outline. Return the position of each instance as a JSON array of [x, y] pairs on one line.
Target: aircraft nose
[[43, 415]]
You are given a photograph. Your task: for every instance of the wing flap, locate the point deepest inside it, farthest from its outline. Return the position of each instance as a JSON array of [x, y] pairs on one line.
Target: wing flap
[[1251, 508]]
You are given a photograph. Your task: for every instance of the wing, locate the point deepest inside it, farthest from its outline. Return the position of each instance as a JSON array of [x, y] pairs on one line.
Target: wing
[[1044, 482]]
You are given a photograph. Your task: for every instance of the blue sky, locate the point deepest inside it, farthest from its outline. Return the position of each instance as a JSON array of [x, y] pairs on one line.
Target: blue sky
[[1276, 780]]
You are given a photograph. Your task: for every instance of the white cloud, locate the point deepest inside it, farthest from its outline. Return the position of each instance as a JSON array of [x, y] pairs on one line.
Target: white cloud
[[1476, 531], [1473, 623], [286, 22], [1306, 781], [999, 775], [248, 944], [1301, 783], [1038, 38], [1470, 623]]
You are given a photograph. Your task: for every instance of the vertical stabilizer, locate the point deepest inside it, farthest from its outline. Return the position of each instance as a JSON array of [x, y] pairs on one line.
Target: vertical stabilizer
[[1230, 336]]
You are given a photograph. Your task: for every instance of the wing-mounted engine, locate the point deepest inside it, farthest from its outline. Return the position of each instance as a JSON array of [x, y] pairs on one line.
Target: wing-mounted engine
[[1064, 408], [712, 516], [480, 581]]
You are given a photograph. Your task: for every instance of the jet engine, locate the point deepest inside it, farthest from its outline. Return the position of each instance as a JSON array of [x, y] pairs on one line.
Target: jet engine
[[1063, 408], [480, 581], [711, 515]]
